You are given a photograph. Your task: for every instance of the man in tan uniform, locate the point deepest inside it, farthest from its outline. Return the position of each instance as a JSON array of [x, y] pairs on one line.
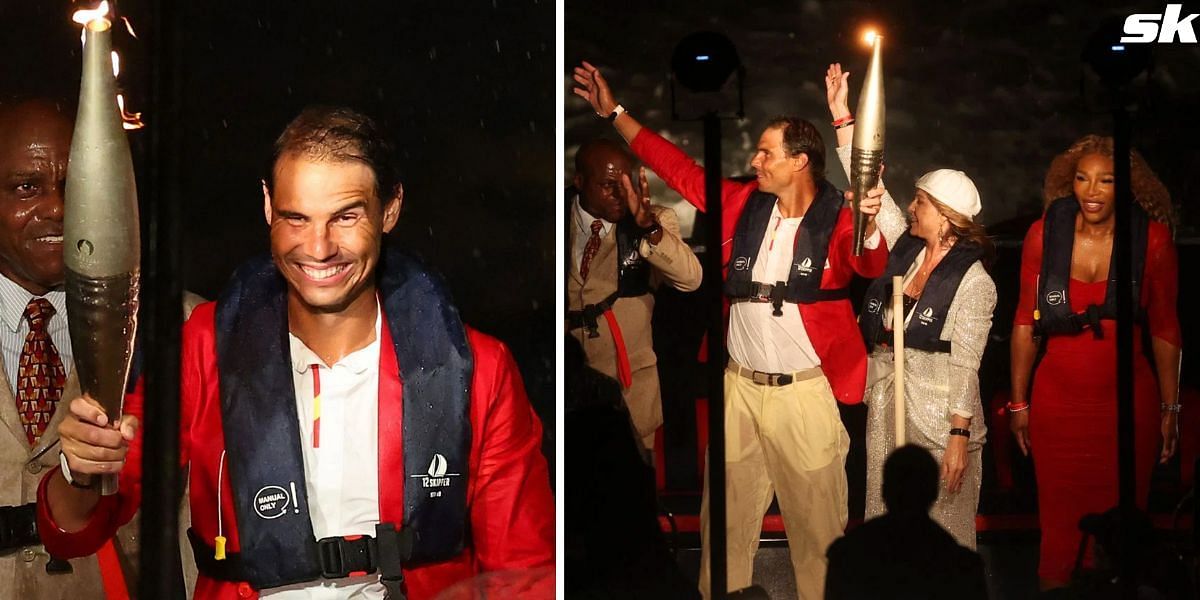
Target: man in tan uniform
[[35, 139], [34, 145], [620, 249]]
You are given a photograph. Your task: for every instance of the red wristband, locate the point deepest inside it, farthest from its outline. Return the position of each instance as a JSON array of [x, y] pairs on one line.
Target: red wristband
[[843, 120]]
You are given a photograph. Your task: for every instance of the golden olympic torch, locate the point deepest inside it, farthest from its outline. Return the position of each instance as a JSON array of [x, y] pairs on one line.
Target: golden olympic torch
[[866, 153], [101, 241]]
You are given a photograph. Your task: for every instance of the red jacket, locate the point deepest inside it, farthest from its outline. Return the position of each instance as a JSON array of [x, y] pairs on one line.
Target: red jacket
[[831, 326], [510, 506]]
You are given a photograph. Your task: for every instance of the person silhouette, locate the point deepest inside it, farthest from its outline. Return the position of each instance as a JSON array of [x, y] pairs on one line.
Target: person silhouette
[[904, 553]]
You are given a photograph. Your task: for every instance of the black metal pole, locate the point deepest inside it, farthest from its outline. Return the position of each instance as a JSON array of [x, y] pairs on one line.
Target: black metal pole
[[713, 253], [1122, 259], [161, 318]]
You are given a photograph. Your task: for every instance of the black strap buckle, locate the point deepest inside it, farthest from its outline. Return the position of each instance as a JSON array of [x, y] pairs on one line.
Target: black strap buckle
[[777, 292], [18, 527], [1093, 316], [343, 556], [588, 317]]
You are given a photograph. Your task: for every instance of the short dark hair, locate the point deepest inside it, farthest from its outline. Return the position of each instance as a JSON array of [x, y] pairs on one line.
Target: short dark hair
[[910, 480], [338, 134], [801, 137]]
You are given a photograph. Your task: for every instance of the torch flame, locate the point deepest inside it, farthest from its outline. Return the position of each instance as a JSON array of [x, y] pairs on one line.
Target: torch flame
[[870, 37], [84, 17], [129, 120]]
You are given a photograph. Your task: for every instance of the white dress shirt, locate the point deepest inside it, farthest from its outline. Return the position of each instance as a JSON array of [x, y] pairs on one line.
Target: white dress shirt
[[13, 300], [583, 222], [759, 340], [341, 474]]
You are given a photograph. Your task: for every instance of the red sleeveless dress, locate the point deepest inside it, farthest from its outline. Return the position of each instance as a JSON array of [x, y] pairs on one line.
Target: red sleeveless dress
[[1073, 418]]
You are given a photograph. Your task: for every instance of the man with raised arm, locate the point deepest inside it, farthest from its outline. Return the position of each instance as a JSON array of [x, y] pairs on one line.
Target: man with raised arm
[[794, 347], [621, 248]]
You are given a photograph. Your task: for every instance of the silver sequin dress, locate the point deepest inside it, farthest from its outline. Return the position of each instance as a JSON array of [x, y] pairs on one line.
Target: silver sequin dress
[[935, 384]]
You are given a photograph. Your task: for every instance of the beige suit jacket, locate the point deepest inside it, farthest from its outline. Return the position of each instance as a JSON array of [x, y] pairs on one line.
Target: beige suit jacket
[[673, 263], [23, 573]]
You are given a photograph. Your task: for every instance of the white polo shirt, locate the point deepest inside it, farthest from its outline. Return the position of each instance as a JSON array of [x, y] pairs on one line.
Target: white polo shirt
[[341, 457], [759, 340]]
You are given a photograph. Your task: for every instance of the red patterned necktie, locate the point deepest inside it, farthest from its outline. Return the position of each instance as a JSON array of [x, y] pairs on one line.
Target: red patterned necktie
[[40, 373], [589, 251]]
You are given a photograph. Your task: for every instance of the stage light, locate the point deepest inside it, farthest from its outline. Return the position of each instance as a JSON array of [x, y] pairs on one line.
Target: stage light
[[703, 61]]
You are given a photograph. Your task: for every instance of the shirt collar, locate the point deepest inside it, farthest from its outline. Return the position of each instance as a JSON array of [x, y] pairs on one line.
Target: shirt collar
[[14, 299], [583, 219], [357, 362]]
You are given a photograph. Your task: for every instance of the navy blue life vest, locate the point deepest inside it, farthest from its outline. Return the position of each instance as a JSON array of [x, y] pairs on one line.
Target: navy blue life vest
[[1055, 316], [924, 330], [811, 249], [262, 431]]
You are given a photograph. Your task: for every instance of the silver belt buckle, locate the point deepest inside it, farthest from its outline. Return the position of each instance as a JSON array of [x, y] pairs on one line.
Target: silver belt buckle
[[761, 378]]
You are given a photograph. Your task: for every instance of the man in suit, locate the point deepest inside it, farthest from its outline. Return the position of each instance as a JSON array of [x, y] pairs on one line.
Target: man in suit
[[34, 343], [35, 347], [620, 249]]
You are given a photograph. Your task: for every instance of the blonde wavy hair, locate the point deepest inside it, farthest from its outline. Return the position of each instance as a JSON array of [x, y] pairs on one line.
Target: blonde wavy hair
[[1148, 191]]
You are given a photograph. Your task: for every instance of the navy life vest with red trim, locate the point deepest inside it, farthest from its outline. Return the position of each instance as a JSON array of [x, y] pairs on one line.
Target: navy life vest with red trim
[[811, 248], [262, 431], [924, 330], [1055, 316]]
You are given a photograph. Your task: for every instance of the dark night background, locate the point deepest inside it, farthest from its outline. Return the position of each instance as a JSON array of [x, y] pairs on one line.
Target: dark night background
[[464, 89], [990, 87], [994, 88]]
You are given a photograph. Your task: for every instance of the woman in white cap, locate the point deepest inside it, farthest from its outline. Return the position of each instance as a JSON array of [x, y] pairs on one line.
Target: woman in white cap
[[948, 303]]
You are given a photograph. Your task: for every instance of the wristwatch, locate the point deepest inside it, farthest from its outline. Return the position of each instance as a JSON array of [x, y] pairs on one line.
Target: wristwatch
[[80, 480], [651, 230]]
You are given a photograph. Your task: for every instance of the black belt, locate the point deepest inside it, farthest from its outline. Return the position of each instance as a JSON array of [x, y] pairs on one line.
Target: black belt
[[589, 315], [18, 529], [339, 557]]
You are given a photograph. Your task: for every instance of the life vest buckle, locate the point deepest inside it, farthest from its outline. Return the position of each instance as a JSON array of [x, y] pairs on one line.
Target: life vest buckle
[[343, 556]]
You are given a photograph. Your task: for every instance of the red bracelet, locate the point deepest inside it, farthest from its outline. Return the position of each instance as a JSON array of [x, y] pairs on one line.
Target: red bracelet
[[843, 120], [1012, 408]]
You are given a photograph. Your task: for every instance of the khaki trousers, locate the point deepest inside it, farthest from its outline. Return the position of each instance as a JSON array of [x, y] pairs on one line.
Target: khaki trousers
[[786, 441]]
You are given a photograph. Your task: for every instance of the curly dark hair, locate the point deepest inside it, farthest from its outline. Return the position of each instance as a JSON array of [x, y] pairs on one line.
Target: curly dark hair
[[802, 137], [1148, 191]]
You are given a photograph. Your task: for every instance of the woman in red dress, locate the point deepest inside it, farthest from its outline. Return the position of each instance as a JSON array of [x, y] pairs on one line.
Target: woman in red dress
[[1069, 421]]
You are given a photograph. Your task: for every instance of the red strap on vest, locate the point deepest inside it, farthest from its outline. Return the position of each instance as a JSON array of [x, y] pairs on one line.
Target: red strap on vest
[[110, 573], [623, 372]]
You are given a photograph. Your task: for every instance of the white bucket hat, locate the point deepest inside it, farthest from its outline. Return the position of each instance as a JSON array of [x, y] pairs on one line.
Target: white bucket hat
[[952, 188]]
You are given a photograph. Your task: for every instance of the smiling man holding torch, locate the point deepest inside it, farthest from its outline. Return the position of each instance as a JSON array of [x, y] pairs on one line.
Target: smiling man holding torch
[[38, 361], [793, 342], [345, 431]]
